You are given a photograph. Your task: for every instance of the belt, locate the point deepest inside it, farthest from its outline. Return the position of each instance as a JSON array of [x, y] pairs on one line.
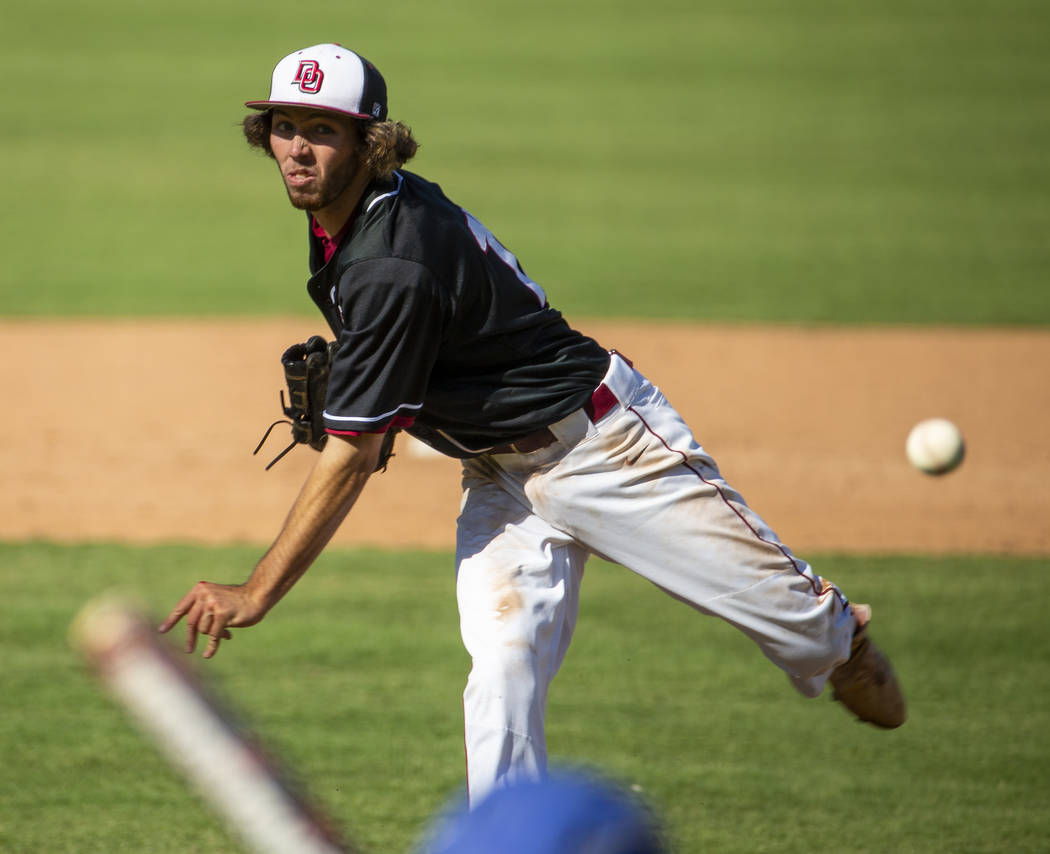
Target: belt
[[597, 407]]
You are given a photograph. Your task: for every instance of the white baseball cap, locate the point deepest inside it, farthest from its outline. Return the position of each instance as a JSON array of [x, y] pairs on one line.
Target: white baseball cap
[[329, 77]]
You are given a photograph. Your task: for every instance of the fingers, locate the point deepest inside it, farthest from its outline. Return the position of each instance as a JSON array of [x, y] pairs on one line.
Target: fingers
[[209, 610], [189, 607], [191, 639], [192, 620], [196, 606], [180, 610], [216, 631], [213, 629], [213, 644]]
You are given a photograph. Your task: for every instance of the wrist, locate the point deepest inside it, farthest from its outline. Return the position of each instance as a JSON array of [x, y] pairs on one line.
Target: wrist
[[261, 591]]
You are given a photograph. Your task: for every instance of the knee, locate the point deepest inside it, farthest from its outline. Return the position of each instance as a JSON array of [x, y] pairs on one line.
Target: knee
[[509, 665], [505, 690]]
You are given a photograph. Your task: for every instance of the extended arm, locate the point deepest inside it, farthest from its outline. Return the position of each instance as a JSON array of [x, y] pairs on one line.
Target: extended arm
[[329, 492]]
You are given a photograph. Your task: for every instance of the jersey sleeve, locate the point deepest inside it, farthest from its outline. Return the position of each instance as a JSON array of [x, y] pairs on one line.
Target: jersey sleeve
[[394, 314]]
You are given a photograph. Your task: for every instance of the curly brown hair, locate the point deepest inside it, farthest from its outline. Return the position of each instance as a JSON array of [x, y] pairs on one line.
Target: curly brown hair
[[387, 145]]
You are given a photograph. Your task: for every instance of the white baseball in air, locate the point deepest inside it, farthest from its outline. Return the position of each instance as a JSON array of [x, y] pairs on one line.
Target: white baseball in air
[[935, 446]]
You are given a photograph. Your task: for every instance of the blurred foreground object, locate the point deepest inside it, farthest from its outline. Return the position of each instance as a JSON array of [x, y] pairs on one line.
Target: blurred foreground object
[[170, 704], [567, 813]]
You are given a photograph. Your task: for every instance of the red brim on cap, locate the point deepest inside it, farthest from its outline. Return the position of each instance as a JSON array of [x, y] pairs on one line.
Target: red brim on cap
[[266, 105]]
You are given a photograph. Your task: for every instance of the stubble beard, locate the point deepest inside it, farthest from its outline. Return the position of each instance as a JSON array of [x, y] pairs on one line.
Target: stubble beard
[[311, 201], [326, 192]]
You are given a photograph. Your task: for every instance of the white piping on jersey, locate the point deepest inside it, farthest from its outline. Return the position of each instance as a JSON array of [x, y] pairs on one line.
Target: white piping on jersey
[[331, 417], [394, 192], [488, 242]]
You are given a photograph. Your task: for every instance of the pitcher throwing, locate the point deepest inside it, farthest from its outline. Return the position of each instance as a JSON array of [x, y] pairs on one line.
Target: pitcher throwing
[[567, 449]]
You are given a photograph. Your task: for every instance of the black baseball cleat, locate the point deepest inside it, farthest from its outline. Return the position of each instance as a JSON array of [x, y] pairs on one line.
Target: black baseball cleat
[[867, 685]]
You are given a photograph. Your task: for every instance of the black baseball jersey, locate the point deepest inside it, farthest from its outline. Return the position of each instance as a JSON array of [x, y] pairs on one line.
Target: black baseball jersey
[[440, 331]]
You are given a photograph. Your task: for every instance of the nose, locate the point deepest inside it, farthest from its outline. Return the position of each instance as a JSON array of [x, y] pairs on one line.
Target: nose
[[300, 146]]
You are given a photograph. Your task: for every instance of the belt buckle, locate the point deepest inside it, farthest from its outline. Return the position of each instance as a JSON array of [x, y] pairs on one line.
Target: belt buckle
[[534, 441]]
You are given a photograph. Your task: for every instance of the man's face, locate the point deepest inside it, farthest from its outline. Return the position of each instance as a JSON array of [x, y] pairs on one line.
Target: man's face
[[317, 155]]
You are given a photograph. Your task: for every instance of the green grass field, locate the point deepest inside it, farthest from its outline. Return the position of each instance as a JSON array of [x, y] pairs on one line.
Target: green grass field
[[803, 162], [355, 681]]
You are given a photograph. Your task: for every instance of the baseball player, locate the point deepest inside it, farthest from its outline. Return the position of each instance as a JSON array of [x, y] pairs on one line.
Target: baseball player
[[567, 449]]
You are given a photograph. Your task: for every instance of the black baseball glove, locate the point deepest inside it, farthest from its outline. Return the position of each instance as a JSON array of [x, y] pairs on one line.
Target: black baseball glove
[[306, 370]]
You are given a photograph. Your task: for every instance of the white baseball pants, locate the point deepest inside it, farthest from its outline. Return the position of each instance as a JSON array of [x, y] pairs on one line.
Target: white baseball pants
[[634, 488]]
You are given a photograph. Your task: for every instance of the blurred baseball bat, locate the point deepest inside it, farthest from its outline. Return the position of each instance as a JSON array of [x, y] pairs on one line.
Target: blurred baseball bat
[[201, 738]]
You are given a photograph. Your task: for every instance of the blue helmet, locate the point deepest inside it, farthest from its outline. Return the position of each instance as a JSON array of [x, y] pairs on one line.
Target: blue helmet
[[566, 813]]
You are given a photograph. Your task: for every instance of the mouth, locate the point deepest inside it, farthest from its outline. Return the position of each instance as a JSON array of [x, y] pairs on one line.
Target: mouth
[[299, 177]]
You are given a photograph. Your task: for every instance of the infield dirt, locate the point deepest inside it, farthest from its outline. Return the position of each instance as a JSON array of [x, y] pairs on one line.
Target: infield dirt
[[142, 431]]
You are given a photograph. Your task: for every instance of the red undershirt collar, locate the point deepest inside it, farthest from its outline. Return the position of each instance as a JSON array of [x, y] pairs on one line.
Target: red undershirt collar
[[330, 244]]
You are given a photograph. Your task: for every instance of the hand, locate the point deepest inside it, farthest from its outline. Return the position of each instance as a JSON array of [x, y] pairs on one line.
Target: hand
[[210, 609]]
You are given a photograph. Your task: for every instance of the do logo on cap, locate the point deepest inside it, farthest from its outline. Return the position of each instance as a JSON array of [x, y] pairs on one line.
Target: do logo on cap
[[309, 76]]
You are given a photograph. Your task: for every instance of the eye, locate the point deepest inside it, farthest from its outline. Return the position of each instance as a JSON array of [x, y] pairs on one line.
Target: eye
[[324, 129], [282, 127]]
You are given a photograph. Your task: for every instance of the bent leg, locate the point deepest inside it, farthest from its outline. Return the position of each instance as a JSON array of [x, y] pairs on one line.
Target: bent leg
[[637, 489]]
